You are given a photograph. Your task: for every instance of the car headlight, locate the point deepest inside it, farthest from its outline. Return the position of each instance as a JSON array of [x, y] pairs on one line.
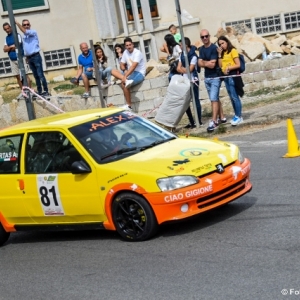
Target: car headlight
[[176, 182], [241, 157]]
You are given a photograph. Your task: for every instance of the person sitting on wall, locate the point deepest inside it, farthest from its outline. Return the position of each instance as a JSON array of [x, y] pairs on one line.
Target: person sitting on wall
[[85, 69], [104, 70], [135, 74]]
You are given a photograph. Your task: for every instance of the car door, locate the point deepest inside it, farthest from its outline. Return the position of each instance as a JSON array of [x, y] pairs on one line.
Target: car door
[[53, 193], [12, 206]]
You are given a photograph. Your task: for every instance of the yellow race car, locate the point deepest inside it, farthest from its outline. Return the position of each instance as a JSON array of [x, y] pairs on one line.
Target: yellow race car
[[111, 169]]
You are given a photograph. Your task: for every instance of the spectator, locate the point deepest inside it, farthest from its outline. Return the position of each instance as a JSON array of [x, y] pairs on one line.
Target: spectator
[[32, 52], [208, 60], [174, 48], [193, 64], [229, 61], [85, 69], [104, 70], [10, 48], [119, 49], [135, 73], [177, 37]]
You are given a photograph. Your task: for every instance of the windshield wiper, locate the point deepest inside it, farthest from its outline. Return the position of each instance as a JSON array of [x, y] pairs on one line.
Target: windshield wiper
[[156, 143], [117, 152]]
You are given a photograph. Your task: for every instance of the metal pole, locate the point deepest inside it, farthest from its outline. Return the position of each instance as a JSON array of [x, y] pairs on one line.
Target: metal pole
[[29, 105], [102, 102], [178, 10]]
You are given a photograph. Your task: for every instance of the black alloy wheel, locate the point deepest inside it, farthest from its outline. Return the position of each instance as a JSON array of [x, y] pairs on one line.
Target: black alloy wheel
[[133, 217]]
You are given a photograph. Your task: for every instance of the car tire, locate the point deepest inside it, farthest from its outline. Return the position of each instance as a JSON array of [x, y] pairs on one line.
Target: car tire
[[133, 217], [3, 235]]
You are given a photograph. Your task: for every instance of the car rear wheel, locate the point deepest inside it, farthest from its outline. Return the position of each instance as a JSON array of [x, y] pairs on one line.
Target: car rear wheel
[[133, 217], [3, 235]]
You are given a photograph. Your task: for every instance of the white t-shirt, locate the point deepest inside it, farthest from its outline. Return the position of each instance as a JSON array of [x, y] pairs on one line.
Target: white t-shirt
[[193, 62], [136, 56], [176, 52]]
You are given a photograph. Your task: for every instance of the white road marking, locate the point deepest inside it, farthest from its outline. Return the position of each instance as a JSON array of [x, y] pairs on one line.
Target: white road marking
[[260, 144]]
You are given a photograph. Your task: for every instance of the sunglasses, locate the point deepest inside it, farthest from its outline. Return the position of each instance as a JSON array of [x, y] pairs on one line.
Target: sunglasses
[[27, 24], [204, 36]]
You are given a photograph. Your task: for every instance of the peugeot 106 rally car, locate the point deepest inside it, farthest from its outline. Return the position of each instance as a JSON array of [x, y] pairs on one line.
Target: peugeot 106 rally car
[[111, 169]]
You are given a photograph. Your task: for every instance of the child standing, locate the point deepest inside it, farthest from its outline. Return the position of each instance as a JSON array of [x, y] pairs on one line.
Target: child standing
[[177, 37]]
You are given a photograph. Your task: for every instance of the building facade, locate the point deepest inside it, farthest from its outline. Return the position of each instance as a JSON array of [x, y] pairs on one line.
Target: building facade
[[63, 25]]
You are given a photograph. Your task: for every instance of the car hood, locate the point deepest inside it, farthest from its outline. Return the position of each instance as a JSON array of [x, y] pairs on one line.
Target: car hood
[[182, 156]]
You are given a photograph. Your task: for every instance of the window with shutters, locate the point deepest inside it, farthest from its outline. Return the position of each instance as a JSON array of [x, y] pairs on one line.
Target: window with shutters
[[153, 9], [21, 6]]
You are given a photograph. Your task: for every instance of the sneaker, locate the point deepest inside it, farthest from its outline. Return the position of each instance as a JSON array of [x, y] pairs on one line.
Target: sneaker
[[85, 95], [128, 83], [126, 107], [212, 126], [45, 94], [20, 96], [74, 80], [222, 121], [105, 86], [190, 126], [236, 120], [170, 57]]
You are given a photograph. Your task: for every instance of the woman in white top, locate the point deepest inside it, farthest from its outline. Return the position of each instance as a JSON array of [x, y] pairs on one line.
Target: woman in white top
[[175, 49]]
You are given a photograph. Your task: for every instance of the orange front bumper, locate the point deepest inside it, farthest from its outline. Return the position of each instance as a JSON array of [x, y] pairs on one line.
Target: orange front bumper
[[212, 191]]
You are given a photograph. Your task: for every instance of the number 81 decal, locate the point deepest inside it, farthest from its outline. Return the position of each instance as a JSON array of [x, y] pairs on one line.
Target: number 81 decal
[[49, 195]]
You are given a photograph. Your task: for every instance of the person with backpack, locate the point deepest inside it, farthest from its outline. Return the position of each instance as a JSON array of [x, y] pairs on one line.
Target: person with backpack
[[230, 63], [175, 51], [194, 69]]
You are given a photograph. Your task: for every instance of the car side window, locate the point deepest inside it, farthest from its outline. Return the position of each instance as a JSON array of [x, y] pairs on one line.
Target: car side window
[[49, 152], [10, 148]]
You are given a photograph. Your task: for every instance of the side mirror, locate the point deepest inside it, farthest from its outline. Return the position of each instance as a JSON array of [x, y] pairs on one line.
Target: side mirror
[[80, 167]]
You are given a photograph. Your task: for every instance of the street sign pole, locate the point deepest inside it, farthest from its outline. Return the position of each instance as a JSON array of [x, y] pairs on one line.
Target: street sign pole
[[95, 62], [178, 10], [29, 105]]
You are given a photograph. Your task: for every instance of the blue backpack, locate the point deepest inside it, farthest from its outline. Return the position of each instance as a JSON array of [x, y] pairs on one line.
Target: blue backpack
[[242, 63]]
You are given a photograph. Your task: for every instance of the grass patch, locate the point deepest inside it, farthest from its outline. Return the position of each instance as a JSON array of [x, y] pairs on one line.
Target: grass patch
[[221, 129], [265, 101], [266, 91], [78, 90]]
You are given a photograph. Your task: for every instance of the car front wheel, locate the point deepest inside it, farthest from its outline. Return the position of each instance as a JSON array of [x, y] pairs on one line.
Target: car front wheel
[[133, 217], [3, 235]]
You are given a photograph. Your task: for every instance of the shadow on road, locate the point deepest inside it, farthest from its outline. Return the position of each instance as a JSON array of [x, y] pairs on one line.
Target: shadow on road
[[208, 218], [166, 230]]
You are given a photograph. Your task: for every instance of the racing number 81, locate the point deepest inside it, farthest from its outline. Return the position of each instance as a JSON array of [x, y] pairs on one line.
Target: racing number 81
[[46, 201]]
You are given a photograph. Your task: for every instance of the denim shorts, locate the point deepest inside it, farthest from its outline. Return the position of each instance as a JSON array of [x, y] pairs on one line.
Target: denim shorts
[[213, 88], [137, 77], [89, 74]]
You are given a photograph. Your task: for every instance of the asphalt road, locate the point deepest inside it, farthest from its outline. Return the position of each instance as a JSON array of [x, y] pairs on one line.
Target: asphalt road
[[248, 249]]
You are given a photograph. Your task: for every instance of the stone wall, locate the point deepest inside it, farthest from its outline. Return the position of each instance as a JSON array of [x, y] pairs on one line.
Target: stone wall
[[149, 95]]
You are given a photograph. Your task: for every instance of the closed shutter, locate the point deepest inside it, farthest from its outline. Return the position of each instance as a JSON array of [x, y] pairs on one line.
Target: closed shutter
[[21, 4]]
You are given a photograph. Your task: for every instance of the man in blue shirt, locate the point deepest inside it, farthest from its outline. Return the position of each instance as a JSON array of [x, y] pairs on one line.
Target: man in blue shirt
[[32, 53], [208, 59], [10, 48], [85, 68]]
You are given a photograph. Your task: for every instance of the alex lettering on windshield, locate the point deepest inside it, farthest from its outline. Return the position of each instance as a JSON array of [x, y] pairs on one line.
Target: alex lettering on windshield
[[109, 121]]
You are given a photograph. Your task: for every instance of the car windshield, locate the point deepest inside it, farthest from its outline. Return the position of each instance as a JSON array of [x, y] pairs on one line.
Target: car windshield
[[119, 135]]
